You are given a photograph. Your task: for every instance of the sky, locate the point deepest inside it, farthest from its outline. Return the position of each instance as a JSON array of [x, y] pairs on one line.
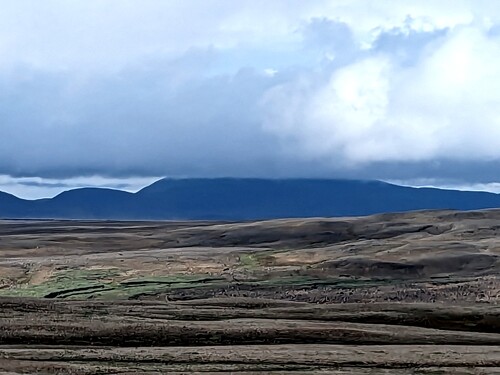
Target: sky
[[119, 93]]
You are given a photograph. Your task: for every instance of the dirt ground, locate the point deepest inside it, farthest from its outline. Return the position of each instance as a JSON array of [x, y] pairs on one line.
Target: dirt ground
[[412, 293]]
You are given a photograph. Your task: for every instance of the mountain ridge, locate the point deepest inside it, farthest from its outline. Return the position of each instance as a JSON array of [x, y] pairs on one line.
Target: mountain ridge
[[243, 199]]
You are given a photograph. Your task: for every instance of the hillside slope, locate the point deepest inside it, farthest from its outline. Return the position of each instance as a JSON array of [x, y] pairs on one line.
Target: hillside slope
[[244, 199]]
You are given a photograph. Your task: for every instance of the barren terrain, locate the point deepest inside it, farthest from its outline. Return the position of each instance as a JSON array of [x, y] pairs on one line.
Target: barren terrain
[[412, 293]]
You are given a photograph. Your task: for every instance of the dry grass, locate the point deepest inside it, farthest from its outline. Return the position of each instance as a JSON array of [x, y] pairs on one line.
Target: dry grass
[[412, 293]]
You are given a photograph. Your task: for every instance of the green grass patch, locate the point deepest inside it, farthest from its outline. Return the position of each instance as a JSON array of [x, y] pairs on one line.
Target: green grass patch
[[64, 280], [249, 260], [102, 284]]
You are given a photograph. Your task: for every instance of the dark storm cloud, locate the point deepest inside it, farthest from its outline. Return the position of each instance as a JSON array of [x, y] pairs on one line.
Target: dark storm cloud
[[146, 120]]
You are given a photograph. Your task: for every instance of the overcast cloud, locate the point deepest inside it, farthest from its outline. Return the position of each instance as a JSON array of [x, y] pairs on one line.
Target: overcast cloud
[[130, 90]]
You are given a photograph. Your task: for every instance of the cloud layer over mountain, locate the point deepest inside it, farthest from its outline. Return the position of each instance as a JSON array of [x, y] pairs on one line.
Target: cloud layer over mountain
[[358, 88]]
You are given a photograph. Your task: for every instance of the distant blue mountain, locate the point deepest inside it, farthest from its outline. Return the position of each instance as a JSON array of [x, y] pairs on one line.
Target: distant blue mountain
[[242, 199]]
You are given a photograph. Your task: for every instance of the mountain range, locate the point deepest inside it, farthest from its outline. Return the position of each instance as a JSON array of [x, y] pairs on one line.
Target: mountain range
[[243, 199]]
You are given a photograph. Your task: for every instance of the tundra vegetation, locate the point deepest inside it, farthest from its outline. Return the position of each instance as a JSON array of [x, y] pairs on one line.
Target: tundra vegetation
[[412, 293]]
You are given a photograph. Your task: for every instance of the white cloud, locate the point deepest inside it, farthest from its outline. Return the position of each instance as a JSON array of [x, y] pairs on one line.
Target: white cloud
[[491, 187], [443, 106], [64, 34]]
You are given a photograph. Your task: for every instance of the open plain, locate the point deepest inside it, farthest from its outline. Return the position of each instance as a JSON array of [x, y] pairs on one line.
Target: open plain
[[412, 293]]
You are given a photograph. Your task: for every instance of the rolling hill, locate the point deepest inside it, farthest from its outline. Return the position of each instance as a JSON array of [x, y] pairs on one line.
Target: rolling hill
[[244, 199]]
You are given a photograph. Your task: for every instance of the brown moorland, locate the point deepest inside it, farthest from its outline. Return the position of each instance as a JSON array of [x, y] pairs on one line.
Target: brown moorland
[[410, 293]]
